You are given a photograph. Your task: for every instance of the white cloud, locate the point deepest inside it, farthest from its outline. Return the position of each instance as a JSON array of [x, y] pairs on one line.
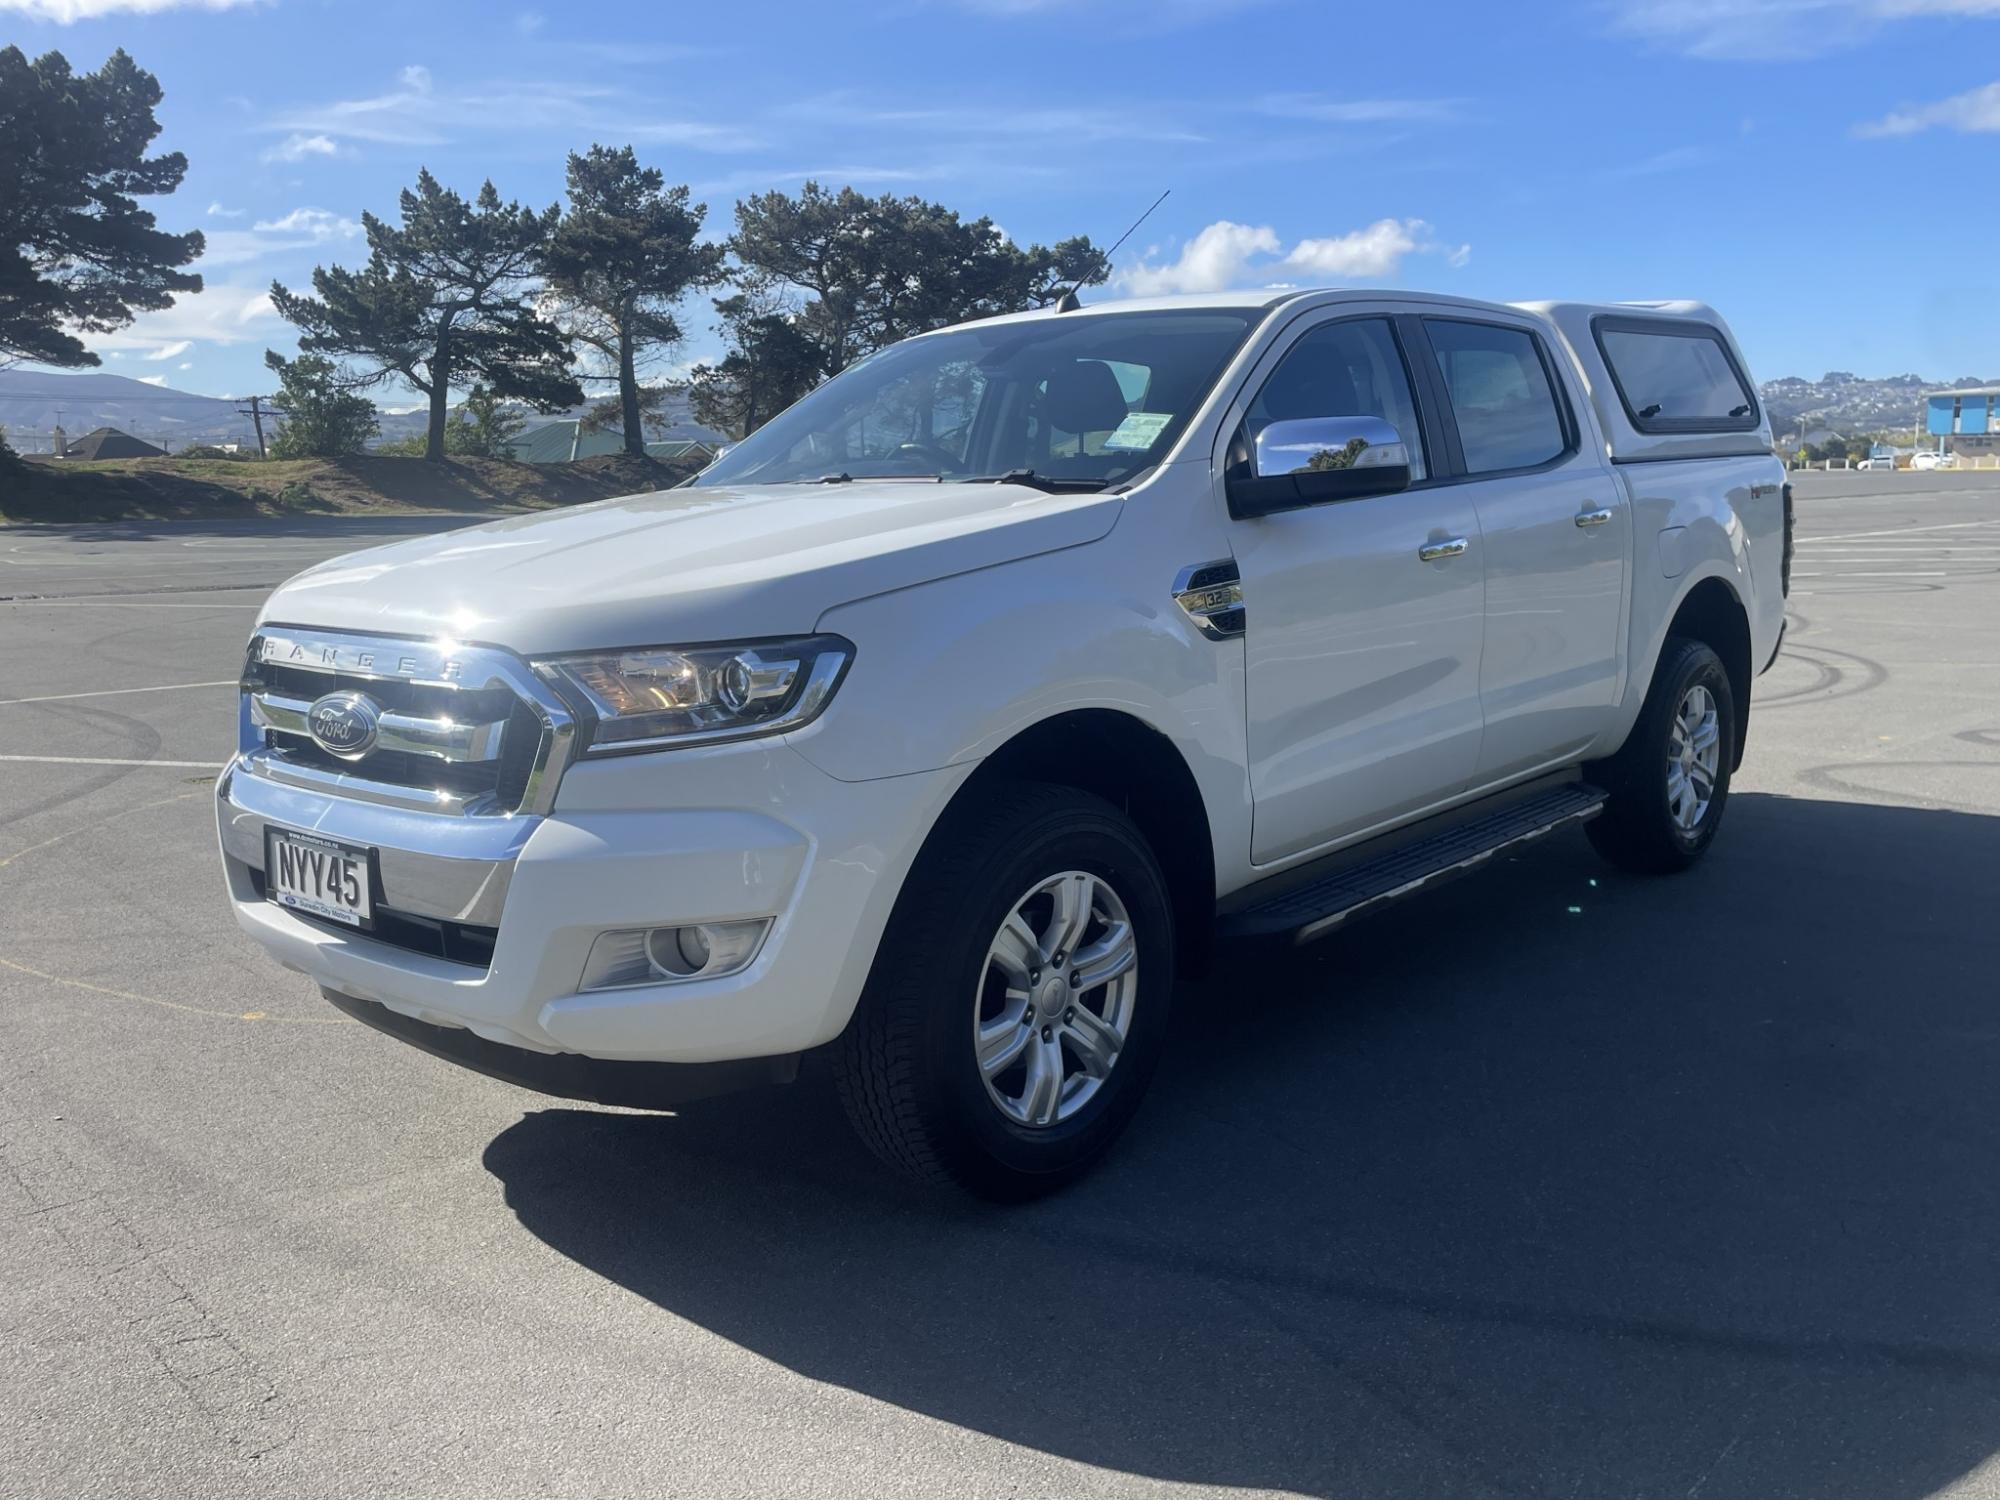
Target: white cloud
[[418, 112], [298, 146], [222, 313], [186, 364], [66, 12], [301, 229], [757, 179], [171, 351], [1375, 251], [1155, 12], [1674, 159], [315, 223], [1226, 255], [1359, 111], [217, 211], [961, 117], [1216, 258], [1976, 111], [1777, 30], [152, 380]]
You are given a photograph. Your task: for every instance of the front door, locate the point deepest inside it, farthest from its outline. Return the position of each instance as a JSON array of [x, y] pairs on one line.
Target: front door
[[1364, 617]]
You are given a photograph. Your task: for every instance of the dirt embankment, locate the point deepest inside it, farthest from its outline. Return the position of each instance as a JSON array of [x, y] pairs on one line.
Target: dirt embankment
[[166, 489]]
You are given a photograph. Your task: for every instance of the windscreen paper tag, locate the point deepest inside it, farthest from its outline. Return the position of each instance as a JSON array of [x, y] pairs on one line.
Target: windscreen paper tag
[[1138, 430]]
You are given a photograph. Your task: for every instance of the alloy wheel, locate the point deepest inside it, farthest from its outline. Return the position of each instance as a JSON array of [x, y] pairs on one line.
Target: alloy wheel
[[1694, 758], [1055, 999]]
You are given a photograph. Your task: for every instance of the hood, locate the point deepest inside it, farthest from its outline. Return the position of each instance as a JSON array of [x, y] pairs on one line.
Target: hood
[[684, 566]]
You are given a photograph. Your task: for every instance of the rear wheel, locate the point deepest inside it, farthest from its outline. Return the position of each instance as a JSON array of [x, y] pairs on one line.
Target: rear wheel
[[1669, 783], [1016, 1007]]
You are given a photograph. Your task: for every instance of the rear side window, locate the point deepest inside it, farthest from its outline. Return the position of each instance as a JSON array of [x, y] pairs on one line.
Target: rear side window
[[1675, 377], [1501, 397]]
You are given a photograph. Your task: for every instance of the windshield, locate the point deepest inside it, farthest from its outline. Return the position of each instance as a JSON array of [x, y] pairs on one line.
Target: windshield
[[1083, 398]]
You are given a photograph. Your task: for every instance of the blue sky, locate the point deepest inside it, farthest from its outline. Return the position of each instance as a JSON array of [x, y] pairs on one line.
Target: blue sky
[[1821, 170]]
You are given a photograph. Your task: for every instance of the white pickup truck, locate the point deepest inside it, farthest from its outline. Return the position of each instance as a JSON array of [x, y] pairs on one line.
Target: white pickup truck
[[949, 719]]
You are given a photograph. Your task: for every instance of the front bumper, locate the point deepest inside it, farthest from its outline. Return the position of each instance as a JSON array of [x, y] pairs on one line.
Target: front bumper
[[632, 1085], [713, 834]]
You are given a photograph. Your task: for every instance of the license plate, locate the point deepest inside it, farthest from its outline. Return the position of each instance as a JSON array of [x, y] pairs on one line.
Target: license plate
[[318, 876]]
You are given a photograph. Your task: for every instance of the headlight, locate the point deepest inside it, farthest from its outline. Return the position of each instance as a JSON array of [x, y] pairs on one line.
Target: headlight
[[655, 697]]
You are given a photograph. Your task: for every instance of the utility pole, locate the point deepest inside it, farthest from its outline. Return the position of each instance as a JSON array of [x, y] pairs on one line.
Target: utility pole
[[256, 415]]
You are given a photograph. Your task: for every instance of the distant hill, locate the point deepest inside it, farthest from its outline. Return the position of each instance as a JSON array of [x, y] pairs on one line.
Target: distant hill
[[33, 402], [1851, 403]]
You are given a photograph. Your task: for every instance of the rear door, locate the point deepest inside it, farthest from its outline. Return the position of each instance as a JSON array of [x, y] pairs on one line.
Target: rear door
[[1557, 533], [1362, 693]]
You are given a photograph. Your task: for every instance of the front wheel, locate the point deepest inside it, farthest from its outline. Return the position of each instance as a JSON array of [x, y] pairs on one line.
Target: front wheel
[[1669, 782], [1016, 1008]]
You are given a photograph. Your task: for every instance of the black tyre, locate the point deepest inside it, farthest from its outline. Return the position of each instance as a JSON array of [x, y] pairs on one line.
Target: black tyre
[[1018, 1002], [1669, 782]]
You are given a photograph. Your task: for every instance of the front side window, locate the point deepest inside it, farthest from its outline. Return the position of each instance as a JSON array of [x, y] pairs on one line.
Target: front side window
[[1506, 410], [1675, 378], [1348, 369], [1088, 398]]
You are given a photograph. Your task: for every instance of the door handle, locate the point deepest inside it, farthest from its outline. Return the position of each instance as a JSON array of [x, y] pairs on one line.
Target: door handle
[[1593, 518], [1433, 551]]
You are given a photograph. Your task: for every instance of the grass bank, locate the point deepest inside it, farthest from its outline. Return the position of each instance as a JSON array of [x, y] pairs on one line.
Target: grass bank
[[169, 489]]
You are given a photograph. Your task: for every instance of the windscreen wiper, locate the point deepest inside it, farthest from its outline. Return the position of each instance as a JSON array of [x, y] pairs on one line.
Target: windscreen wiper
[[1033, 481]]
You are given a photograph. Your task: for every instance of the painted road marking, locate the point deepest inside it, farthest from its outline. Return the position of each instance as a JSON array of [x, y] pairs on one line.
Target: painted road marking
[[1851, 536], [164, 687], [111, 604], [93, 760]]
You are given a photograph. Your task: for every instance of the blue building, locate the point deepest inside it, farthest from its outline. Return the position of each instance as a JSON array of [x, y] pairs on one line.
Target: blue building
[[1965, 421]]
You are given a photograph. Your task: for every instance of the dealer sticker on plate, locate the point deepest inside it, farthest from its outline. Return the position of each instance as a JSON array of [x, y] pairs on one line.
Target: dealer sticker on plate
[[318, 876]]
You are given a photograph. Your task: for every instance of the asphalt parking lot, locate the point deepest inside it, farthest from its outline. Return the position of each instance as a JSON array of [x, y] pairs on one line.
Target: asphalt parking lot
[[1556, 1183]]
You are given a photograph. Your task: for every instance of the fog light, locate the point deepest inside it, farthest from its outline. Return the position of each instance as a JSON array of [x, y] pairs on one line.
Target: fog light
[[665, 955]]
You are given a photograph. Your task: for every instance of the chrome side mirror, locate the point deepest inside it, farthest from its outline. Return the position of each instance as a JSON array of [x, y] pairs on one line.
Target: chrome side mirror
[[1314, 460]]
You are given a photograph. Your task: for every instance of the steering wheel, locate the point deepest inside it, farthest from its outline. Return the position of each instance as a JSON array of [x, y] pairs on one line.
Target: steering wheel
[[935, 457]]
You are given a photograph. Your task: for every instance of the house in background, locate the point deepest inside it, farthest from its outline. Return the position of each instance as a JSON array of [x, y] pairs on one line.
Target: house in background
[[107, 442], [1965, 421], [566, 442]]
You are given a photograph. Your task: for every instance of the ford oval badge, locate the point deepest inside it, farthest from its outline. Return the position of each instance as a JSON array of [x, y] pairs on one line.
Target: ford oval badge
[[344, 724]]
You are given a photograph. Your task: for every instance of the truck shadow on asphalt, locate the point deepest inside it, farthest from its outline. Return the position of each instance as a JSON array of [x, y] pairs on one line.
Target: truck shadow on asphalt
[[1557, 1182]]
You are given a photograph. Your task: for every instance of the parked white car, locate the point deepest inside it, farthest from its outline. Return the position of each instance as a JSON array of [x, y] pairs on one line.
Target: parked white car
[[1925, 460], [951, 717]]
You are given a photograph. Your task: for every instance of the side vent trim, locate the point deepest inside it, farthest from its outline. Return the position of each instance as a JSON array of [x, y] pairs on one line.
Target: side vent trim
[[1211, 595]]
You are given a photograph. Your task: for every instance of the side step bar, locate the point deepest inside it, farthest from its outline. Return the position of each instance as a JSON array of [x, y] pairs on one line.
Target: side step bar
[[1319, 906]]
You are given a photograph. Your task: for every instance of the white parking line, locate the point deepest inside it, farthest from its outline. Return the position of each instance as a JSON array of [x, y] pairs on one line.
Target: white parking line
[[165, 687], [1851, 536], [96, 760], [111, 604]]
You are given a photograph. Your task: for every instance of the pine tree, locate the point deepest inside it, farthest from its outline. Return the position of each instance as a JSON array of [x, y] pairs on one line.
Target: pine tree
[[623, 257], [322, 418], [446, 298], [832, 276], [77, 253]]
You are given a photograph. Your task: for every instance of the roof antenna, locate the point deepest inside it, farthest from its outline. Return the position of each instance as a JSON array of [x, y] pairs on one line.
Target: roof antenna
[[1067, 301]]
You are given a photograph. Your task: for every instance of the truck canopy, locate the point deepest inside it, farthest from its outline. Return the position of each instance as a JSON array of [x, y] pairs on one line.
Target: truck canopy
[[1666, 379]]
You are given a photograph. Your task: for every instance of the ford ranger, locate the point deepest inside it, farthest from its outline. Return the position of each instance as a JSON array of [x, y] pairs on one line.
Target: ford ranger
[[948, 719]]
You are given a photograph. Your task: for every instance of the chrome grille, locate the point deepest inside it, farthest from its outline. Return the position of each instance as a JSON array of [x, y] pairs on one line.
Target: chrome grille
[[467, 731]]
